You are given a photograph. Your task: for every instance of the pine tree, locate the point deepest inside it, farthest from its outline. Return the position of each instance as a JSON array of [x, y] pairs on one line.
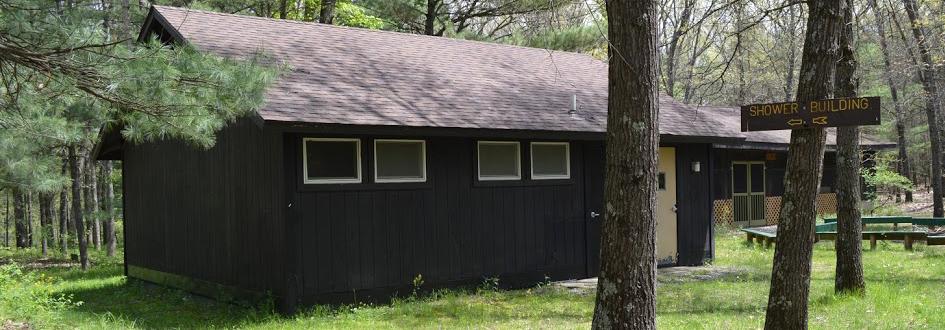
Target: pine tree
[[108, 209], [63, 77], [21, 219], [626, 291]]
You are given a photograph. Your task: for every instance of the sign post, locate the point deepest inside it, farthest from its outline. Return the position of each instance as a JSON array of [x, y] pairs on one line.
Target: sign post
[[854, 111]]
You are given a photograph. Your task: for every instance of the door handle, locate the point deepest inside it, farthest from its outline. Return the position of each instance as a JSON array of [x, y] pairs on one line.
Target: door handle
[[594, 214], [675, 208]]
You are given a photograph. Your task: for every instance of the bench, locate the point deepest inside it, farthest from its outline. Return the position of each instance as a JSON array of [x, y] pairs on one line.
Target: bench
[[763, 237], [828, 231], [907, 237]]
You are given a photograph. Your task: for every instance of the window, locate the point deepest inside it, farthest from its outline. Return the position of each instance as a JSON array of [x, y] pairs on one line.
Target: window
[[499, 160], [661, 181], [331, 160], [400, 161], [550, 160]]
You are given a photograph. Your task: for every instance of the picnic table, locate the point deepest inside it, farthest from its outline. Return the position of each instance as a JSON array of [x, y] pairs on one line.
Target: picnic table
[[828, 231]]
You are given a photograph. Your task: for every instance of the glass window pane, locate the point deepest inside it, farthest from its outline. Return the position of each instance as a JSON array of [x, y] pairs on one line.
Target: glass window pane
[[739, 178], [327, 159], [498, 160], [550, 160], [757, 178], [399, 160]]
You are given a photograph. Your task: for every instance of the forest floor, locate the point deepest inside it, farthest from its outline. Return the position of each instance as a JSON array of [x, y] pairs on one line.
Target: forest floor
[[905, 290]]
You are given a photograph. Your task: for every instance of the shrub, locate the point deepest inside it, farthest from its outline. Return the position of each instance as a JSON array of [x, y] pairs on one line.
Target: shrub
[[28, 296]]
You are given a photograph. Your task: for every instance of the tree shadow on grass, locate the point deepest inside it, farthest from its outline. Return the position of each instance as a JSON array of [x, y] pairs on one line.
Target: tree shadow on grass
[[134, 302]]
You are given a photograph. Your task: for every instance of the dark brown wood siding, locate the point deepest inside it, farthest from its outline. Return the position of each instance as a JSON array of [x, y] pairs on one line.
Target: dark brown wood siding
[[214, 215], [694, 204], [450, 229], [774, 170]]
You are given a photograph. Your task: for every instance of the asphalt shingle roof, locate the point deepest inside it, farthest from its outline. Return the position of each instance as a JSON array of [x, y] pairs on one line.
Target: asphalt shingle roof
[[341, 75]]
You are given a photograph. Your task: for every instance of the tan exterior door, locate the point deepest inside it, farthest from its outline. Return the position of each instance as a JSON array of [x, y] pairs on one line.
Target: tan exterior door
[[666, 207]]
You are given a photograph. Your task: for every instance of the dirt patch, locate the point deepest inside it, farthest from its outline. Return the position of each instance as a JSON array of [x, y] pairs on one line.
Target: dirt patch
[[42, 263], [921, 205], [663, 275], [12, 325], [698, 274]]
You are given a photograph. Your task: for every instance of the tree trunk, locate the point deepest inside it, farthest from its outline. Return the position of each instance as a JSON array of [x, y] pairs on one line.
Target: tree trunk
[[932, 111], [790, 275], [64, 214], [106, 18], [108, 196], [849, 246], [127, 30], [672, 53], [6, 224], [429, 19], [626, 297], [327, 12], [45, 221], [283, 9], [904, 166], [789, 76], [29, 218], [20, 218], [91, 202], [741, 65], [75, 173], [688, 90]]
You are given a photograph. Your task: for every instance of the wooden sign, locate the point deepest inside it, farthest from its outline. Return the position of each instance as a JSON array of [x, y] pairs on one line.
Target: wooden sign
[[856, 111]]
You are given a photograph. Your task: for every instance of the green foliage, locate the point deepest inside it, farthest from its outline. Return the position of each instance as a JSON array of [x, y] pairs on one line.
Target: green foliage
[[883, 178], [349, 14], [192, 94], [581, 39], [64, 76], [29, 296], [903, 288]]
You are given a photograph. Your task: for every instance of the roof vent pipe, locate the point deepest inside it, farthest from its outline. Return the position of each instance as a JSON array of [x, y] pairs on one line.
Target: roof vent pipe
[[573, 104]]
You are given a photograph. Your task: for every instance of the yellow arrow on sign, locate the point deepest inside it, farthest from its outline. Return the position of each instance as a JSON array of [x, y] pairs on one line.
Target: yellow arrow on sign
[[795, 122], [820, 120]]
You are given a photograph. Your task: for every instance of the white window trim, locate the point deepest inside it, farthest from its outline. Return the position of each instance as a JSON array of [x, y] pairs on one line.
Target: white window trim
[[423, 155], [330, 180], [518, 161], [567, 166]]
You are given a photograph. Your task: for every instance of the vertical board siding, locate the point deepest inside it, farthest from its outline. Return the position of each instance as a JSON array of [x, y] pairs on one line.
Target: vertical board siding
[[214, 215], [447, 230], [774, 170], [694, 204]]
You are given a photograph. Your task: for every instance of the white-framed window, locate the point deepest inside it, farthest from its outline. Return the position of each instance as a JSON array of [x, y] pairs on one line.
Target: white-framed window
[[499, 160], [400, 161], [331, 160], [551, 160]]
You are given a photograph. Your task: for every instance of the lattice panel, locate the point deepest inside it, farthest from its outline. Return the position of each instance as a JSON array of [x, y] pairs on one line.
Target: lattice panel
[[724, 212], [772, 210], [826, 204]]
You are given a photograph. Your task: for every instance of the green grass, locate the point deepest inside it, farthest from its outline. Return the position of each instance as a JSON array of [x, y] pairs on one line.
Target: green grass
[[904, 290]]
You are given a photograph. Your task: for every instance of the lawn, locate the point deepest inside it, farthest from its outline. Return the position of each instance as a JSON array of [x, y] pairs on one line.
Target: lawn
[[905, 290]]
